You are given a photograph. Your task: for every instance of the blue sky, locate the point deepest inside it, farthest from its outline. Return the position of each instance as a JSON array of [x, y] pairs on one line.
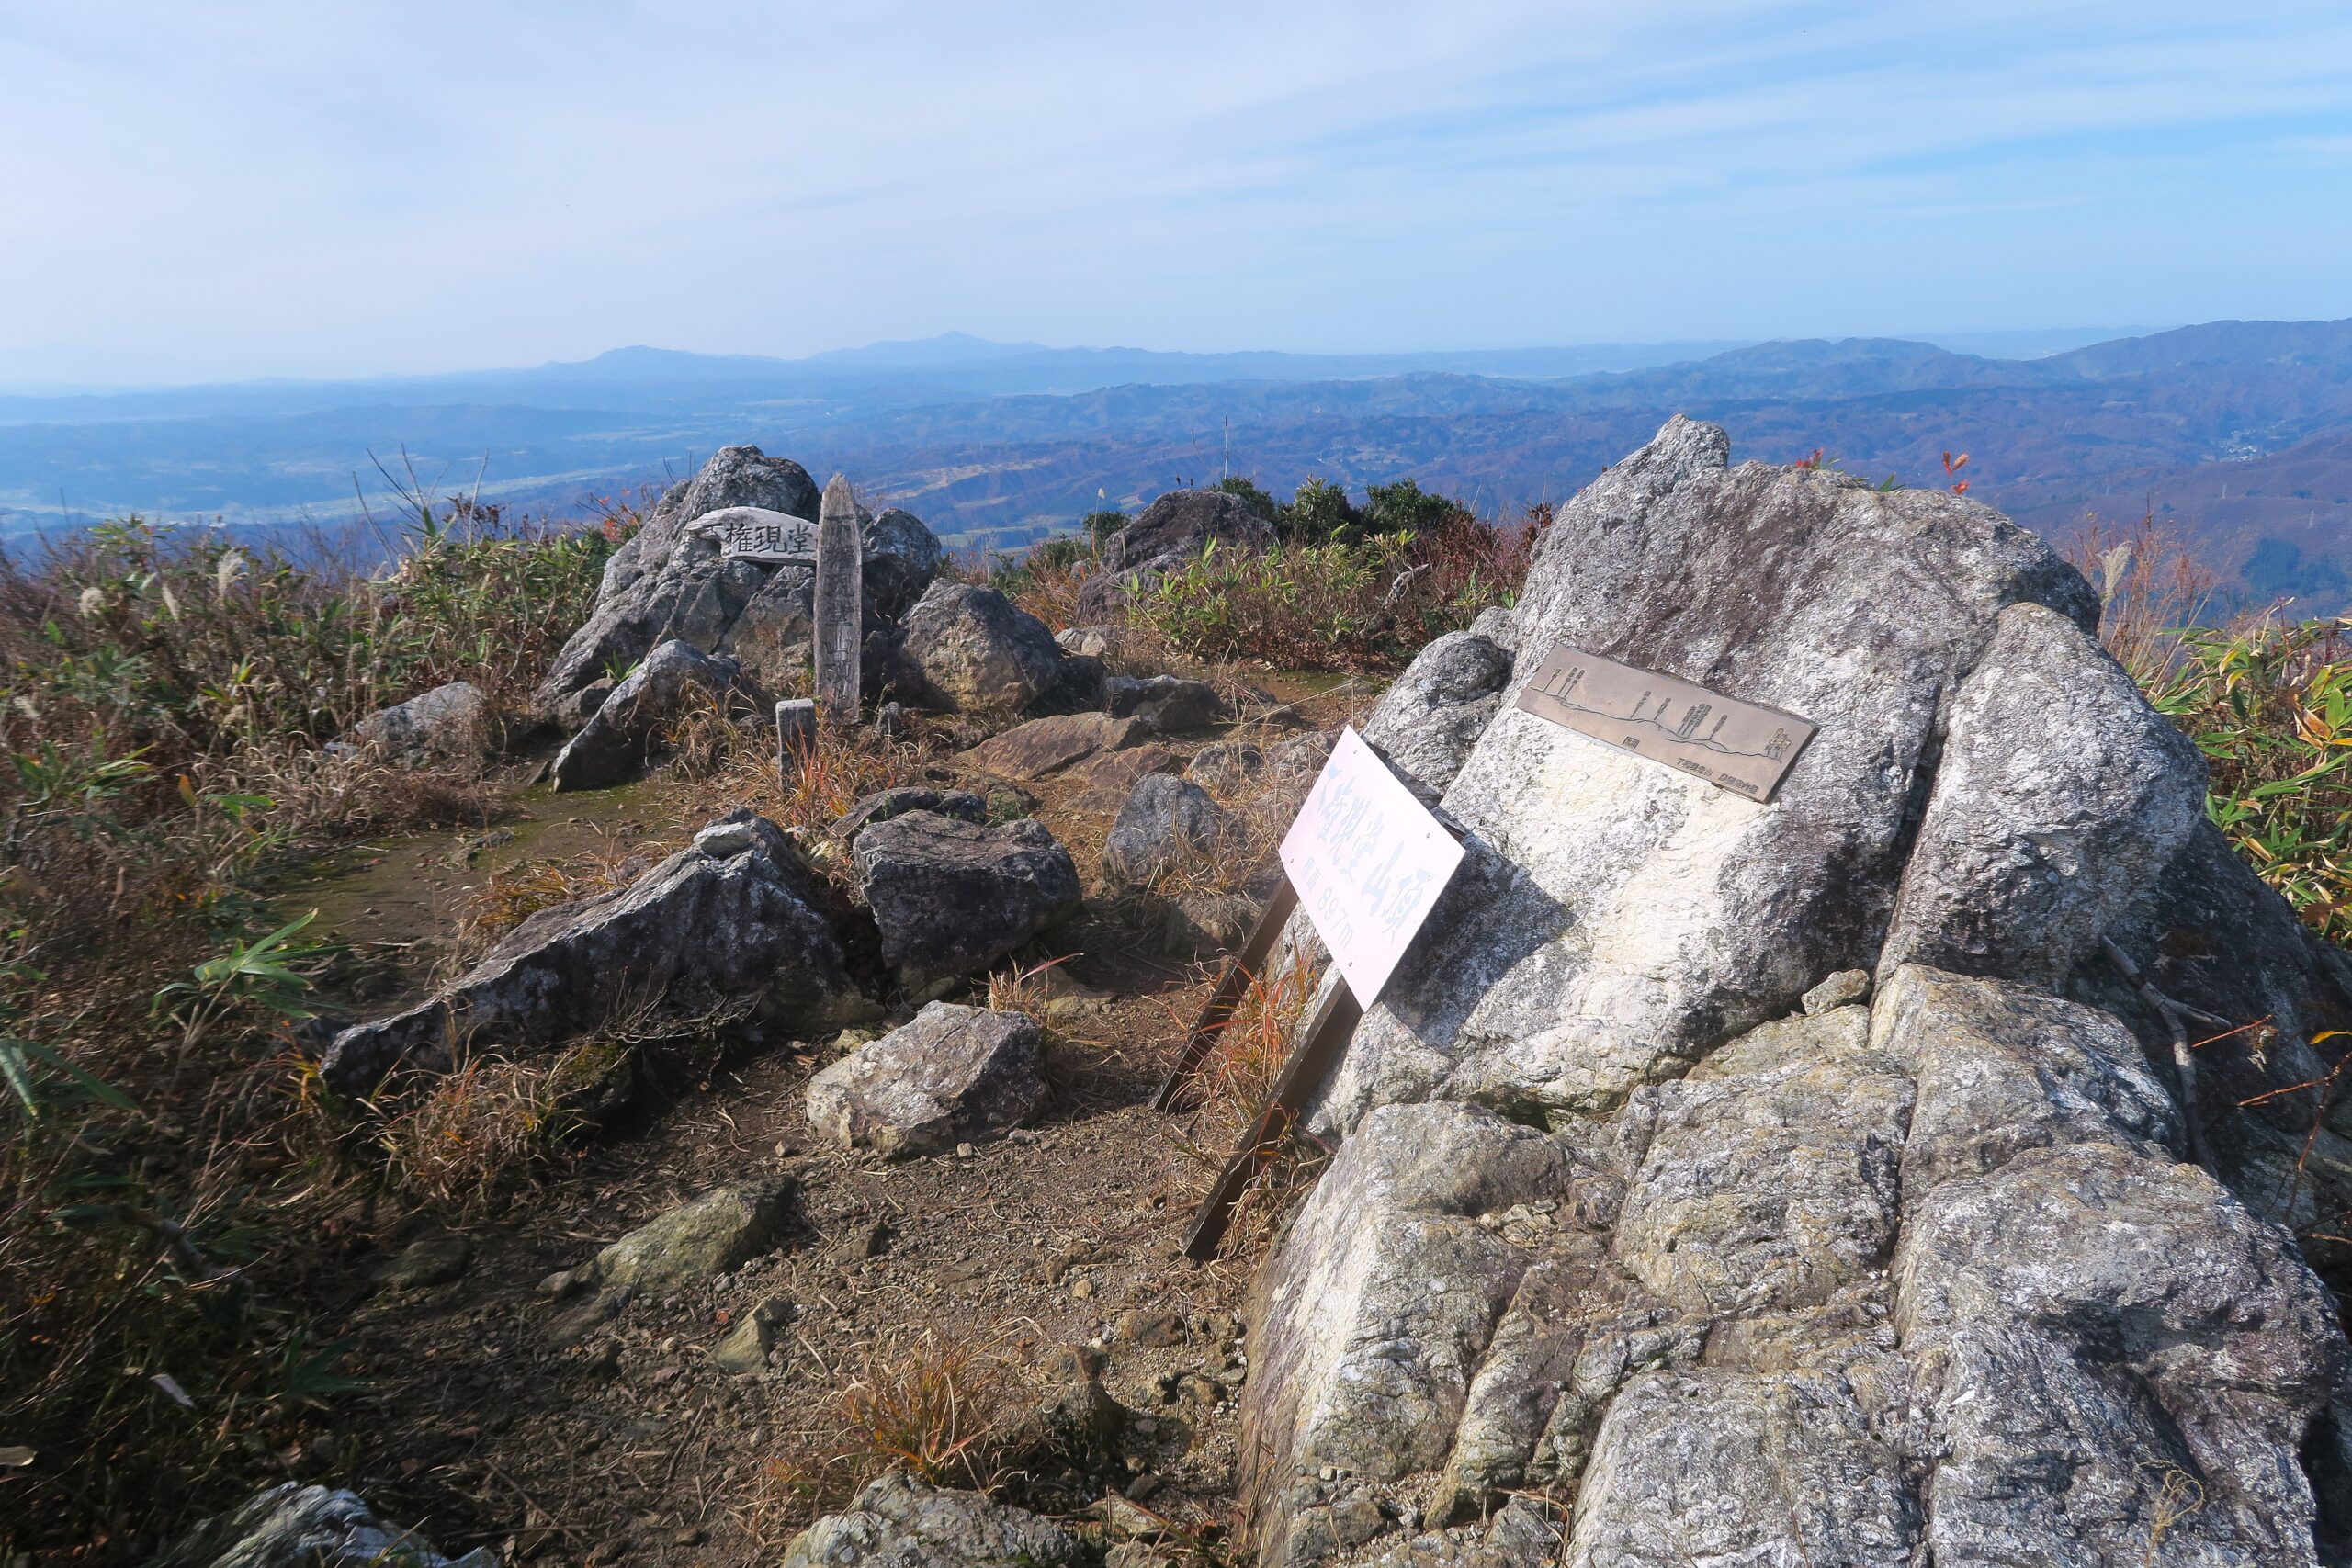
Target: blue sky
[[243, 188]]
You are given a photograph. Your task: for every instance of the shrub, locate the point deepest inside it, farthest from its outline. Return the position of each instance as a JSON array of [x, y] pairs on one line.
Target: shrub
[[1256, 499], [2270, 705], [1319, 514], [1364, 607]]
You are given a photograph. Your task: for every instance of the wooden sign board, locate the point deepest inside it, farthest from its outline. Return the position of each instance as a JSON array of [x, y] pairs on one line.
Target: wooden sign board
[[1369, 862], [839, 634], [756, 534], [1742, 747]]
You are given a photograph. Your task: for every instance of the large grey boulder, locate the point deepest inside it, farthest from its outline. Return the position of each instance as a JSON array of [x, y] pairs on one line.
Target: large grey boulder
[[450, 723], [666, 574], [2060, 798], [293, 1526], [1165, 822], [951, 1075], [1751, 1317], [951, 897], [971, 650], [671, 580], [902, 557], [1171, 531], [730, 929], [628, 728], [900, 1521], [1637, 1208], [1427, 721], [1594, 956]]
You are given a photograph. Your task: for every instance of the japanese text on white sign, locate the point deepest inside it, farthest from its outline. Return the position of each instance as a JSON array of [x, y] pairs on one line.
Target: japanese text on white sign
[[1369, 862]]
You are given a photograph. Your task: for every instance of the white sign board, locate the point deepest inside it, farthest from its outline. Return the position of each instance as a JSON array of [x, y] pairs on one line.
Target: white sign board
[[1368, 861], [756, 534]]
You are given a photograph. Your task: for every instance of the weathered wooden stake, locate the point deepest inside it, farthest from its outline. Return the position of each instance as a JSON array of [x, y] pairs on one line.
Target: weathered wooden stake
[[1320, 1050], [1231, 986], [840, 593], [796, 736]]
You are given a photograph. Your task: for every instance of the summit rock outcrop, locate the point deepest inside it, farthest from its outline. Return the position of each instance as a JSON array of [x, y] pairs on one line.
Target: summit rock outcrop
[[1633, 1254]]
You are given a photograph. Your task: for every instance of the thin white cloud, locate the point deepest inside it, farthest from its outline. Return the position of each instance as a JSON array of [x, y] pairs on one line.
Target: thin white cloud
[[282, 186]]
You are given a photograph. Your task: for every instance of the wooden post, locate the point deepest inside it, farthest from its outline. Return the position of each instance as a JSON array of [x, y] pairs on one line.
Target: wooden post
[[1217, 1011], [841, 604], [1326, 1040]]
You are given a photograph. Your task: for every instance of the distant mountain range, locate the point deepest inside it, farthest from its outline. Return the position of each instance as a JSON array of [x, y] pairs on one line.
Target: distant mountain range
[[2238, 432]]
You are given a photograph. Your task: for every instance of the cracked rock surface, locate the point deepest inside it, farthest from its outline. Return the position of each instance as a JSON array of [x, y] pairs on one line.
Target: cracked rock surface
[[1798, 1182]]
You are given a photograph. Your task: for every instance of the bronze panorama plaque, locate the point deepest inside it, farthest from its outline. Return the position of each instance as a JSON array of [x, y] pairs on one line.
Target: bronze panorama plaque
[[1742, 747]]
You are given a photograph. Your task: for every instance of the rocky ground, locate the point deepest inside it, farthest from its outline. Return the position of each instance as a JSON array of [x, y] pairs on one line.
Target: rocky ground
[[1827, 1180], [483, 1423]]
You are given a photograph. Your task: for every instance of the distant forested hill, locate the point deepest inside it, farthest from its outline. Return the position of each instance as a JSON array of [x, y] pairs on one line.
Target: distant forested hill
[[2238, 432]]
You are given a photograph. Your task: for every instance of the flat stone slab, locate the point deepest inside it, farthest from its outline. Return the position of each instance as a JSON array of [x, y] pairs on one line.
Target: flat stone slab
[[1044, 747]]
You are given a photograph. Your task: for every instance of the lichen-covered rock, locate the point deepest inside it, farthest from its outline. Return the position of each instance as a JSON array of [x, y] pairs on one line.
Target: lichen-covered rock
[[1772, 1188], [972, 651], [902, 1522], [628, 727], [1165, 535], [952, 1074], [449, 724], [951, 897], [883, 805], [2002, 1068], [668, 581], [1165, 822], [1754, 1272], [712, 1235], [1703, 1466], [293, 1526], [902, 557], [1601, 956], [1369, 1321], [2060, 798], [2124, 1317], [1425, 723], [697, 937]]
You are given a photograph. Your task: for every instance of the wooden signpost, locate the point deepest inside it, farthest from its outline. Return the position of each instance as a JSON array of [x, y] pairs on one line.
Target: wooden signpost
[[841, 609], [1367, 861]]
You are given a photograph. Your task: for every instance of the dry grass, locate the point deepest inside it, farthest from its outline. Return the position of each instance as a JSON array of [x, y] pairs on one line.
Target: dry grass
[[471, 1136], [2150, 587], [940, 1405], [512, 893]]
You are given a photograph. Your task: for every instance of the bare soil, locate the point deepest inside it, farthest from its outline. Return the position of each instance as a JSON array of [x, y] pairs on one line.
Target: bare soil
[[477, 1427]]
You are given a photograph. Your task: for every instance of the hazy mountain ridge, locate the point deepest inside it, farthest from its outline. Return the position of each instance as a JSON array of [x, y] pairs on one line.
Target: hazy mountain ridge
[[2104, 427]]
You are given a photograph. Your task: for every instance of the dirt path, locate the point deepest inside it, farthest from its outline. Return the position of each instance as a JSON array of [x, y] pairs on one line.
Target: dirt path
[[478, 1427]]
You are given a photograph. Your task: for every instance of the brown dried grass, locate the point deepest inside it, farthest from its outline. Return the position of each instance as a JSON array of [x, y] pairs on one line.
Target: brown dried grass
[[939, 1404]]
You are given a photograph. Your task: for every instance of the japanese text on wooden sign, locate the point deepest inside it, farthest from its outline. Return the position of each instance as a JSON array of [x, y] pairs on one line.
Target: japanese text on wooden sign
[[756, 534], [1742, 747], [1369, 862]]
